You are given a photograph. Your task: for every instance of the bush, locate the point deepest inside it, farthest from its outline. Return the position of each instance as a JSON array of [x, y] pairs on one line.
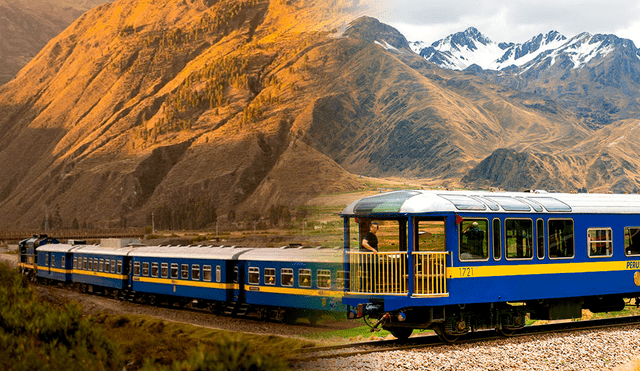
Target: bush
[[35, 335]]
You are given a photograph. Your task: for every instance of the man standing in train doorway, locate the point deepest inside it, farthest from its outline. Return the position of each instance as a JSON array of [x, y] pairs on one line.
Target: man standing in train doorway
[[370, 240]]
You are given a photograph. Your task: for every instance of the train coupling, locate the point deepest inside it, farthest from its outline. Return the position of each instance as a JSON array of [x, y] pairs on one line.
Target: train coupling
[[381, 321], [365, 310]]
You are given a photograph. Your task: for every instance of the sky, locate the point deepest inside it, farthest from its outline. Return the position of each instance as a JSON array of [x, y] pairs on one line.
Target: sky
[[510, 21]]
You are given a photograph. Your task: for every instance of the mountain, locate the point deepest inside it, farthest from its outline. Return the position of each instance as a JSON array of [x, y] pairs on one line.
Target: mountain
[[26, 26], [210, 111]]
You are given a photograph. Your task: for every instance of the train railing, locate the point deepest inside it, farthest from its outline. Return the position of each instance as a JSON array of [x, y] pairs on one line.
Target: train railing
[[381, 273], [430, 273], [387, 273]]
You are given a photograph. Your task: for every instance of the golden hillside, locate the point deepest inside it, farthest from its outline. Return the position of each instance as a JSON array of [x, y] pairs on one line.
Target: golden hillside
[[206, 110]]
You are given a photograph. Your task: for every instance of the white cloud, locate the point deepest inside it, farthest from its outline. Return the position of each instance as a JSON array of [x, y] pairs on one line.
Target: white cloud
[[510, 21]]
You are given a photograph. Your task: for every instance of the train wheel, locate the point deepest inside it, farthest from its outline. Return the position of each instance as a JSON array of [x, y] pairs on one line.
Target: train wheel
[[507, 332], [400, 333], [446, 338]]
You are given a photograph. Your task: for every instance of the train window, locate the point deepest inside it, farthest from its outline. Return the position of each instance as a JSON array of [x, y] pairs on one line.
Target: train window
[[136, 268], [632, 241], [269, 276], [286, 277], [235, 274], [119, 268], [474, 239], [497, 240], [195, 272], [430, 235], [75, 263], [145, 269], [540, 238], [218, 273], [95, 264], [107, 266], [519, 238], [341, 277], [174, 270], [206, 273], [324, 278], [113, 266], [254, 275], [46, 259], [560, 238], [304, 277], [184, 271], [90, 264], [101, 269], [510, 203], [154, 269], [63, 260], [164, 270], [84, 263], [600, 242], [53, 260]]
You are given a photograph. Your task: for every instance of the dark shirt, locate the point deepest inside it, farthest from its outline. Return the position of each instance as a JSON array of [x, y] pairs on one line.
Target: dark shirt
[[372, 239]]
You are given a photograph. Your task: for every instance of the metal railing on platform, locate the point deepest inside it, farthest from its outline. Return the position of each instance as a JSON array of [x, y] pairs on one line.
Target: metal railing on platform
[[387, 273]]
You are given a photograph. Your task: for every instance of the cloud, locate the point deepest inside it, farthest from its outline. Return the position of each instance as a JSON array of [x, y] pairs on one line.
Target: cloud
[[510, 21]]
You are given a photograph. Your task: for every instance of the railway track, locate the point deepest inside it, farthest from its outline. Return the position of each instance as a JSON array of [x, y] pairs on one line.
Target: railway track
[[427, 341]]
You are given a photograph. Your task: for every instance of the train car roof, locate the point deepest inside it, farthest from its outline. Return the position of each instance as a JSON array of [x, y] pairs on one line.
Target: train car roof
[[191, 252], [297, 254], [56, 247], [101, 250], [420, 201]]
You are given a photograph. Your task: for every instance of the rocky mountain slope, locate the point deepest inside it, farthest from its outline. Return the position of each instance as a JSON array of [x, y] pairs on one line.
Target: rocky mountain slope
[[227, 110], [26, 27]]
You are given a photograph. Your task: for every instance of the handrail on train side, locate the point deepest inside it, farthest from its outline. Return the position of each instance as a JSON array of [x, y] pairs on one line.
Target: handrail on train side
[[387, 273]]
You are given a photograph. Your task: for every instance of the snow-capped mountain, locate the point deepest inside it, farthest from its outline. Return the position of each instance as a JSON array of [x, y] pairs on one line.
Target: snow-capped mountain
[[464, 49]]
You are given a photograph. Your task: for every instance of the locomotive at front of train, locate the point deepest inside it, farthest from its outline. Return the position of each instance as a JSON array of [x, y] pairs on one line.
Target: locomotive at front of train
[[457, 262], [28, 256]]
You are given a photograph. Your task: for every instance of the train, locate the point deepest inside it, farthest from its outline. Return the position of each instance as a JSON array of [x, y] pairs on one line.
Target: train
[[282, 284], [449, 261], [461, 261]]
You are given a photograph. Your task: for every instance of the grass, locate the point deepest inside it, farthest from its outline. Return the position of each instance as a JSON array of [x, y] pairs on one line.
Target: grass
[[152, 343]]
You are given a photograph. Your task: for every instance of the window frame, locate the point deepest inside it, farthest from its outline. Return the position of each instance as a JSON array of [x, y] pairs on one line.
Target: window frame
[[174, 269], [610, 242], [287, 283], [136, 268], [145, 269], [460, 232], [304, 272], [323, 273], [218, 273], [506, 247], [184, 268], [195, 268], [341, 282], [496, 232], [155, 269], [253, 273], [625, 240], [107, 265], [206, 269], [119, 266], [63, 260], [573, 223], [270, 273], [113, 266], [53, 260], [75, 262], [541, 239]]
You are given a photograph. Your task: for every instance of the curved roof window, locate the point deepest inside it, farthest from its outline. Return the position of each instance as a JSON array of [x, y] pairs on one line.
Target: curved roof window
[[464, 202], [552, 204], [510, 203], [390, 202], [492, 205]]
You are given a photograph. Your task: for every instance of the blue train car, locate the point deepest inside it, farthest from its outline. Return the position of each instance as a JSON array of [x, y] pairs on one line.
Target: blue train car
[[311, 280], [27, 253], [460, 261], [210, 274], [101, 269], [54, 262]]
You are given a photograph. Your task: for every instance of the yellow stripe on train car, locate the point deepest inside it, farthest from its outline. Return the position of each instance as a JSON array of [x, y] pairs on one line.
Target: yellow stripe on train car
[[100, 274], [294, 291], [204, 284], [539, 269]]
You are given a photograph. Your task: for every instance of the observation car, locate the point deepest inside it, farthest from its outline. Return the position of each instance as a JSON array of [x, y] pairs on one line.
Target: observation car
[[458, 261]]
